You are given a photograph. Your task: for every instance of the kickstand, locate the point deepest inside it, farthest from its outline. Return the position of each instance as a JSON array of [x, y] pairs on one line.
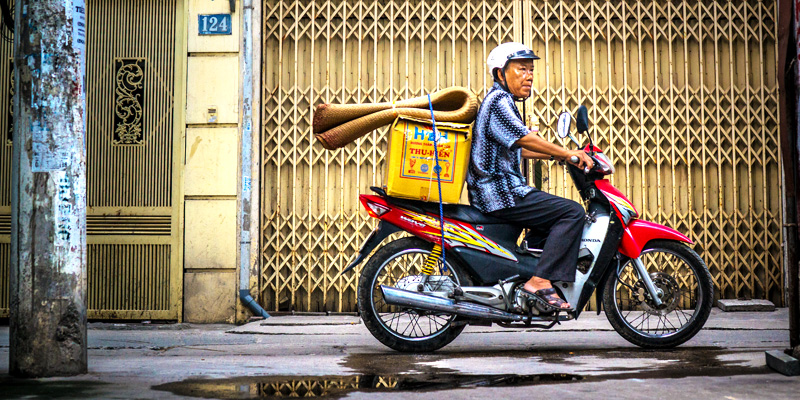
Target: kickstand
[[530, 314]]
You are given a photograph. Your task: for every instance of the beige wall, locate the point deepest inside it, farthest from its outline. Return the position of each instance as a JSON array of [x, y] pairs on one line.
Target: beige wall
[[212, 115]]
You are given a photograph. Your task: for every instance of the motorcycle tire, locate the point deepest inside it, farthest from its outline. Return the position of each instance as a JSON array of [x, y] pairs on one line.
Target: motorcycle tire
[[664, 254], [380, 318]]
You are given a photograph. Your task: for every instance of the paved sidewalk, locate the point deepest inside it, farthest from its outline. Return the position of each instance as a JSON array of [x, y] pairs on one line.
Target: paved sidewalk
[[338, 357], [588, 321]]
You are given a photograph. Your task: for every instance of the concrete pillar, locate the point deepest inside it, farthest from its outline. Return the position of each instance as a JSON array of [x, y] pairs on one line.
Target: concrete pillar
[[48, 205]]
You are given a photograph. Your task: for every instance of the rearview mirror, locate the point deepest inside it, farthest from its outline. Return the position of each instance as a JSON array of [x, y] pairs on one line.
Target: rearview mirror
[[564, 122], [582, 119]]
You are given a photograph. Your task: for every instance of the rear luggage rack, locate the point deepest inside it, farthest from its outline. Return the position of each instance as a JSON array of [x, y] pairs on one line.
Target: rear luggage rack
[[523, 249]]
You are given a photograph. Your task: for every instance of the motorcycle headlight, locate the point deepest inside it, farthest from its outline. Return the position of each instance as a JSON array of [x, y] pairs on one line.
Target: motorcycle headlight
[[604, 165]]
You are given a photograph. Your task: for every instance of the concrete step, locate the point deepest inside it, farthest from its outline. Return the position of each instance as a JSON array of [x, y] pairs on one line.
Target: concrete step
[[729, 305], [783, 363]]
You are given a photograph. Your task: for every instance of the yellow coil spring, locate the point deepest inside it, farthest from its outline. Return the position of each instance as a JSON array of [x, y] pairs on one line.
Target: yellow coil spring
[[432, 261]]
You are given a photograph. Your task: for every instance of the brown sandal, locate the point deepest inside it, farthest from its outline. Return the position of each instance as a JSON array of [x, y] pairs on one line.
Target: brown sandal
[[546, 300]]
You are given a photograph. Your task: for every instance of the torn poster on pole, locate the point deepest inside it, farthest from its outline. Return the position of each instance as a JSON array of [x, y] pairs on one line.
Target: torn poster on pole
[[49, 152]]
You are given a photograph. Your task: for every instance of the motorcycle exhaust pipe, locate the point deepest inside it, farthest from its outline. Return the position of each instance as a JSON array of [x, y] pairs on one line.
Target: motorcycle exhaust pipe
[[405, 298]]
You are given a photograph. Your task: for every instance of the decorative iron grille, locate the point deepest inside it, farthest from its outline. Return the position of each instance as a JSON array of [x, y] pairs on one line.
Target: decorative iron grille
[[10, 105], [6, 120], [129, 101]]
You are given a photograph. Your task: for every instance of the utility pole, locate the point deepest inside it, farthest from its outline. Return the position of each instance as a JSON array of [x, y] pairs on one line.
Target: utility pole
[[48, 199]]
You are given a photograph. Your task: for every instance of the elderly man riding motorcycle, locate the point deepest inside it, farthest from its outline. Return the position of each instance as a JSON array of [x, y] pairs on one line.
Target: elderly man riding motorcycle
[[496, 185]]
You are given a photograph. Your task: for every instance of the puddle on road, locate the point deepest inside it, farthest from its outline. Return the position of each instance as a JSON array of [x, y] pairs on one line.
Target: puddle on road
[[610, 362], [396, 372], [338, 386]]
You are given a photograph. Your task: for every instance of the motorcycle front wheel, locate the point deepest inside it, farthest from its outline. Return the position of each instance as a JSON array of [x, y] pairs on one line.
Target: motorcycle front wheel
[[686, 289], [402, 328]]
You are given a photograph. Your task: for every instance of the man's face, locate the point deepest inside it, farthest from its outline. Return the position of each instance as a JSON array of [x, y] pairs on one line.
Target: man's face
[[519, 77]]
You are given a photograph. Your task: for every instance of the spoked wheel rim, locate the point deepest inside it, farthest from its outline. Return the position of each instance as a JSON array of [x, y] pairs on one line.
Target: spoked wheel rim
[[679, 283], [402, 322]]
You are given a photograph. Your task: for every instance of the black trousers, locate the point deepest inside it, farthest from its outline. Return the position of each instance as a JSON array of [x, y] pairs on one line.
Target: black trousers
[[560, 220]]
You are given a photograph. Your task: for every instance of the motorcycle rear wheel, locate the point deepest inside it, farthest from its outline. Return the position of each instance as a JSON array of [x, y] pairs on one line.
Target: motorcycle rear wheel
[[404, 329], [688, 294]]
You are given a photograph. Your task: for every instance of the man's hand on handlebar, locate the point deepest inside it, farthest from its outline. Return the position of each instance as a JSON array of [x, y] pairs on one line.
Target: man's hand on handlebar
[[580, 159]]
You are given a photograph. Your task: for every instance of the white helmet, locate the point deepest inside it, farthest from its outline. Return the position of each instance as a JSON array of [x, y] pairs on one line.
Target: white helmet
[[505, 52]]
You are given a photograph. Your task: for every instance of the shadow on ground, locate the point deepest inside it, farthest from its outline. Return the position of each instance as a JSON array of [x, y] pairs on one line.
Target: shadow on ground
[[51, 388]]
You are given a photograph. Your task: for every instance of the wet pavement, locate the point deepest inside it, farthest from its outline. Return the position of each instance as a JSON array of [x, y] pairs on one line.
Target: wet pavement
[[339, 386], [433, 372], [335, 357]]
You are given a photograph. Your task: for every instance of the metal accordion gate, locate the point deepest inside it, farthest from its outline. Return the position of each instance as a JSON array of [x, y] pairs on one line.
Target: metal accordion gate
[[682, 94]]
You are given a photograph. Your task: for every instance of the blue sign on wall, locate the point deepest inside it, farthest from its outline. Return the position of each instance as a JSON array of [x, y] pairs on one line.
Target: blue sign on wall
[[214, 24]]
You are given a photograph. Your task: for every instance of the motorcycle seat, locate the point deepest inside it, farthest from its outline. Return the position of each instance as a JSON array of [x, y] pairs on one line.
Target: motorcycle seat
[[460, 212]]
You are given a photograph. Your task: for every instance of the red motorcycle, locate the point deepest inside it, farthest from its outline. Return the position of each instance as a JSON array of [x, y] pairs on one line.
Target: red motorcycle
[[655, 290]]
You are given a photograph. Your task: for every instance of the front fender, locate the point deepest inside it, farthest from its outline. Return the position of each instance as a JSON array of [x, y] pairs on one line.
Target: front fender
[[383, 231], [639, 232]]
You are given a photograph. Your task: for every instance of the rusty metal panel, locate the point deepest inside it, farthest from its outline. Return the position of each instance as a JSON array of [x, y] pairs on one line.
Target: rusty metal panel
[[140, 35], [128, 225], [5, 295], [133, 230], [6, 119], [128, 281], [133, 273], [348, 51], [7, 132], [683, 95]]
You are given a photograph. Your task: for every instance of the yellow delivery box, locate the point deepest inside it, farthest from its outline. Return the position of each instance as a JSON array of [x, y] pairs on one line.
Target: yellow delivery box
[[410, 166]]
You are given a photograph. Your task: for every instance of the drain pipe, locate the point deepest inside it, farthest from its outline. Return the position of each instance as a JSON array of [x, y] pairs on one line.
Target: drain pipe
[[246, 192]]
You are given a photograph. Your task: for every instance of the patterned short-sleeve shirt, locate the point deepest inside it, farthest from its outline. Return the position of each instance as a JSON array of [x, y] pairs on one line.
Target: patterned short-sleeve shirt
[[494, 177]]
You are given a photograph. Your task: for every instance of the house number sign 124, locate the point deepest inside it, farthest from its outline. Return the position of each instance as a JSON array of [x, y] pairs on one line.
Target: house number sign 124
[[214, 24]]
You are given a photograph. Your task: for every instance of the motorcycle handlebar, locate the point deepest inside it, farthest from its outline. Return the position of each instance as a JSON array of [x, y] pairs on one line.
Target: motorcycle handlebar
[[574, 160]]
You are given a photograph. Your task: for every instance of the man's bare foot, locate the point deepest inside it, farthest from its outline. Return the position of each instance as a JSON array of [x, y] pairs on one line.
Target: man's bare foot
[[535, 284]]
